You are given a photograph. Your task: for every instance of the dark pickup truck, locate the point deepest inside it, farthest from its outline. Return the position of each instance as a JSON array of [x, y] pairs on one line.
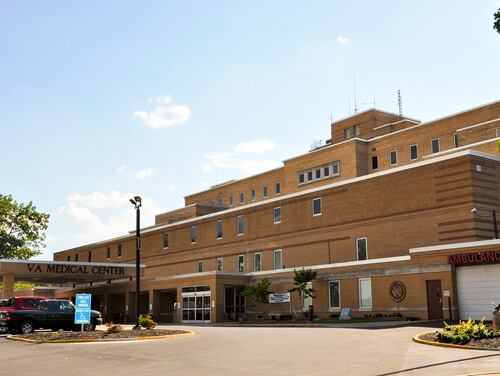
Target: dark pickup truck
[[52, 314]]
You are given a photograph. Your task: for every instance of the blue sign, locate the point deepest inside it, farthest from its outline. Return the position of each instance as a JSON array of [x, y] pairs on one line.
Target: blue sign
[[82, 311]]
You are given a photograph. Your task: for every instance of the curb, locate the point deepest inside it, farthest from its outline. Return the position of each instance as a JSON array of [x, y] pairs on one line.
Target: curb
[[448, 345], [188, 333]]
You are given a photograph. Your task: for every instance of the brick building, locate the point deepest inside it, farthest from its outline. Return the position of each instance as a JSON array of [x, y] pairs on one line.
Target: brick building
[[382, 210]]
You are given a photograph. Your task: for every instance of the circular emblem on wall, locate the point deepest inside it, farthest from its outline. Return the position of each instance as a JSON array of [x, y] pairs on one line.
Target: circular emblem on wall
[[397, 290]]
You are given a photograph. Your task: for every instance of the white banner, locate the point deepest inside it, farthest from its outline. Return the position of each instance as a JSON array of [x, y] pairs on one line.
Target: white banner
[[279, 298]]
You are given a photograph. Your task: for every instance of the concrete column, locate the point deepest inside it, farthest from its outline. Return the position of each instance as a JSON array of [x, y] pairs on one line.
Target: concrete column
[[106, 308], [151, 302], [127, 307], [8, 285]]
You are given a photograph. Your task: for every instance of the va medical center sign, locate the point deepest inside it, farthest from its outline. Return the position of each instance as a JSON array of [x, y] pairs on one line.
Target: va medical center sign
[[75, 269]]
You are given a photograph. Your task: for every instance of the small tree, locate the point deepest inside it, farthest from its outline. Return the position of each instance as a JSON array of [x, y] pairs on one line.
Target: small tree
[[496, 23], [302, 279], [21, 229], [259, 292]]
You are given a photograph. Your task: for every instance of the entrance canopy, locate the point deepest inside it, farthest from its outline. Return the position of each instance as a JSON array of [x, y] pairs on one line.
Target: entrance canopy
[[61, 272]]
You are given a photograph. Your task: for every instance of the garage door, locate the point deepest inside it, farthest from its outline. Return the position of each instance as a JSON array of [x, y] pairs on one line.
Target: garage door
[[477, 287]]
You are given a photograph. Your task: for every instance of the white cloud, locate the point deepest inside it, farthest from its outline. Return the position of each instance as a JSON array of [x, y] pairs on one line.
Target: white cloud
[[143, 174], [255, 147], [238, 158], [342, 40], [172, 188], [207, 167], [96, 216], [99, 200], [165, 114], [121, 168]]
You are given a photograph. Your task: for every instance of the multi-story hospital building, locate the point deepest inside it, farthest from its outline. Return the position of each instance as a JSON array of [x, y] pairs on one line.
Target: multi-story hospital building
[[396, 216]]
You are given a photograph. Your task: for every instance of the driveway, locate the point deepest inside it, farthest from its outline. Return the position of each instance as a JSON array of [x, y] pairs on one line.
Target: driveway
[[253, 351]]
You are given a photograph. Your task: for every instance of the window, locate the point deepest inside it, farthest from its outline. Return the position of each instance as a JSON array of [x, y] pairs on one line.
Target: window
[[455, 140], [413, 152], [220, 202], [318, 173], [90, 256], [277, 261], [277, 215], [231, 201], [356, 130], [326, 171], [241, 263], [374, 162], [336, 168], [393, 157], [316, 206], [265, 191], [365, 292], [240, 225], [193, 234], [435, 145], [108, 253], [254, 194], [334, 293], [362, 248], [257, 262], [219, 264], [277, 188], [310, 176], [199, 266], [242, 198], [69, 258], [347, 133], [302, 178], [219, 229], [165, 240], [119, 252], [76, 257]]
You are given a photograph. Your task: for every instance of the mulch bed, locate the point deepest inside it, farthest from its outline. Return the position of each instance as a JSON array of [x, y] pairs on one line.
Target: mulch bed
[[98, 334], [485, 343]]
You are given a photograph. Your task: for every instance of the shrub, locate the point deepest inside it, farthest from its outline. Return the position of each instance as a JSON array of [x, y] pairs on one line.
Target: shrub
[[113, 328], [464, 331], [146, 321], [334, 316]]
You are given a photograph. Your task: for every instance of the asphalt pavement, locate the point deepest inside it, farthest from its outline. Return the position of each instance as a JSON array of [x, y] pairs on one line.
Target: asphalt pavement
[[253, 351]]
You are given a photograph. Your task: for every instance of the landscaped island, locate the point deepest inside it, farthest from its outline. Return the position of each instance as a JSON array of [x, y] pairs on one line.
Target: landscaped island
[[98, 335], [464, 334]]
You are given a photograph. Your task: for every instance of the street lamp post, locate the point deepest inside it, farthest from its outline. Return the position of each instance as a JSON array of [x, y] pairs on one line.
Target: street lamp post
[[494, 215], [137, 202]]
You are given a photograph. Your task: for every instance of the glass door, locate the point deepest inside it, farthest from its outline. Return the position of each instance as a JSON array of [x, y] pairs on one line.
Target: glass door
[[196, 306]]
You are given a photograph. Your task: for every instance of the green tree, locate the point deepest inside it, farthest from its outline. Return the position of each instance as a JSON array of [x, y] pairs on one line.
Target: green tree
[[302, 280], [496, 23], [21, 229], [259, 292]]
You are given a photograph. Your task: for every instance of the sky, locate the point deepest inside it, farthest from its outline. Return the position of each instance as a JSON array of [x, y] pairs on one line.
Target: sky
[[104, 100]]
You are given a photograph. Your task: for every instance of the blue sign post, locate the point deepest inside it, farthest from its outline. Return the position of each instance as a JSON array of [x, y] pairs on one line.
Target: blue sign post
[[82, 311]]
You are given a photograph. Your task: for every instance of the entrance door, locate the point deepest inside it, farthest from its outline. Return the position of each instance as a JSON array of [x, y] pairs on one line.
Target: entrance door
[[434, 300], [196, 304], [234, 303]]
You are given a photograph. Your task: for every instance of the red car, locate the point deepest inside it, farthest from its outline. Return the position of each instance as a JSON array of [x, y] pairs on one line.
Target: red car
[[23, 303], [20, 303]]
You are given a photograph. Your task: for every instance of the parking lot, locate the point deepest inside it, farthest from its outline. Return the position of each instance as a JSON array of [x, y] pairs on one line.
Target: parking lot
[[253, 351]]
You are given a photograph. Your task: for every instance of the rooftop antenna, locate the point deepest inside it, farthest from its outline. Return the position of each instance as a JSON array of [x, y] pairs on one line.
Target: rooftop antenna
[[400, 104], [355, 102]]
